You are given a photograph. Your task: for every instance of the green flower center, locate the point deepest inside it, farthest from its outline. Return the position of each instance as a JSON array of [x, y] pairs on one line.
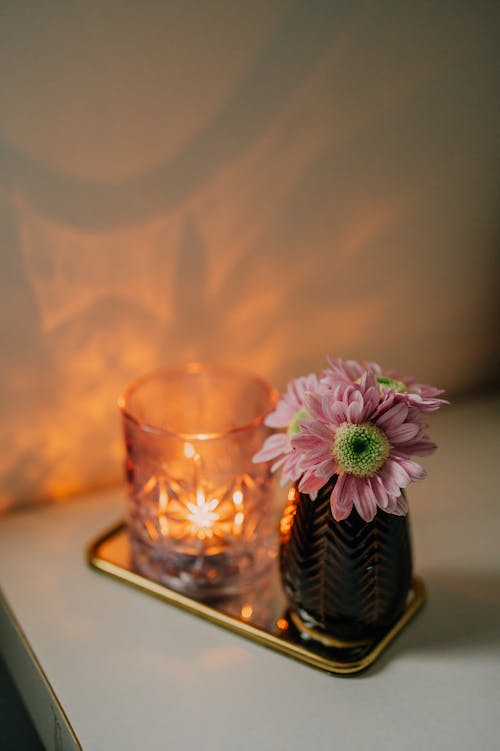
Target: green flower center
[[294, 428], [360, 449], [391, 383]]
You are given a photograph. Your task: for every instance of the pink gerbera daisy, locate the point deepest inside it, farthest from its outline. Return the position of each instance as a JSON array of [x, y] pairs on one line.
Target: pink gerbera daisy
[[289, 410], [419, 395], [365, 437]]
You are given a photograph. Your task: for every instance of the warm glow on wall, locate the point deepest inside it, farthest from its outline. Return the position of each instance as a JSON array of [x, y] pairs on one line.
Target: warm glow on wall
[[240, 183]]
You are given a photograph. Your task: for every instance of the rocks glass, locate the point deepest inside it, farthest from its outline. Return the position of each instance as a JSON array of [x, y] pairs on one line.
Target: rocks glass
[[201, 518]]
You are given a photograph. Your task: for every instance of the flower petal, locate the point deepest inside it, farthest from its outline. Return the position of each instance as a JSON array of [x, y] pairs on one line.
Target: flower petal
[[305, 441], [388, 480], [273, 446], [379, 492], [339, 513], [313, 405], [397, 472], [403, 433], [277, 464], [394, 416], [310, 482], [364, 501], [278, 419], [340, 502], [326, 468], [420, 448], [318, 429], [398, 506], [414, 470], [333, 409]]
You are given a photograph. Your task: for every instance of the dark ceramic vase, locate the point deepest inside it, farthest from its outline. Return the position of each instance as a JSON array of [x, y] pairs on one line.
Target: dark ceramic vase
[[349, 580]]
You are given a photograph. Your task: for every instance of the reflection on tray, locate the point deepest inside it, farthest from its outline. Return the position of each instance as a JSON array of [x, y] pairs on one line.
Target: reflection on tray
[[260, 614]]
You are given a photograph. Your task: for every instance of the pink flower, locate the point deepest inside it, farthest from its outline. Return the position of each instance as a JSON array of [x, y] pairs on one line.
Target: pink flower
[[288, 412], [366, 437], [420, 395]]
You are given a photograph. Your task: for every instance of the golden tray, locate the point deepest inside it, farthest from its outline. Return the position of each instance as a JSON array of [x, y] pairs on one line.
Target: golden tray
[[264, 619]]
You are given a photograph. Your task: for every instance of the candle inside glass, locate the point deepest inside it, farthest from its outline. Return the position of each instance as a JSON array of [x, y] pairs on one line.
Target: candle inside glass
[[201, 517]]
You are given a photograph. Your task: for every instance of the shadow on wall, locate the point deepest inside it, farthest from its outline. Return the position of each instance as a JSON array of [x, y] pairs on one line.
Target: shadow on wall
[[251, 184]]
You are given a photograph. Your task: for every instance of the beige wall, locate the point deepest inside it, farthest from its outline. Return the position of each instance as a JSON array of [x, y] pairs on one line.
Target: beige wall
[[254, 183]]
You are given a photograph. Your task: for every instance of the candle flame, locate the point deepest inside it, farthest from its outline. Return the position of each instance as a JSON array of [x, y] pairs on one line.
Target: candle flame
[[202, 515]]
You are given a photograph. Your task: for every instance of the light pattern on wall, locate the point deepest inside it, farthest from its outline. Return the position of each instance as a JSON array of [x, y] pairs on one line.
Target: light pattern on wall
[[274, 182]]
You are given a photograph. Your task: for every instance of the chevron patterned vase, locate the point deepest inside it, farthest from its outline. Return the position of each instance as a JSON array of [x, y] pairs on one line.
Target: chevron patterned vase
[[345, 580]]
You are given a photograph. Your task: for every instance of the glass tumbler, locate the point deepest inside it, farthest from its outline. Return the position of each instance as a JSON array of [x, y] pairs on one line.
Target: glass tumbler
[[201, 518]]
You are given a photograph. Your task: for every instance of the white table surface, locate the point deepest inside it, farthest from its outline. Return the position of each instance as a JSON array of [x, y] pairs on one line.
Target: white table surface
[[133, 673]]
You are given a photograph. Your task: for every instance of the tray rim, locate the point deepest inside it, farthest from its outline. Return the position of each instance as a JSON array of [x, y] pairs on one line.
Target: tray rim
[[300, 652]]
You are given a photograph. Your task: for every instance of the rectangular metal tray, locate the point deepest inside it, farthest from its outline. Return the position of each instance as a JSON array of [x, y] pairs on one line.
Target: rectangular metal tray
[[260, 616]]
